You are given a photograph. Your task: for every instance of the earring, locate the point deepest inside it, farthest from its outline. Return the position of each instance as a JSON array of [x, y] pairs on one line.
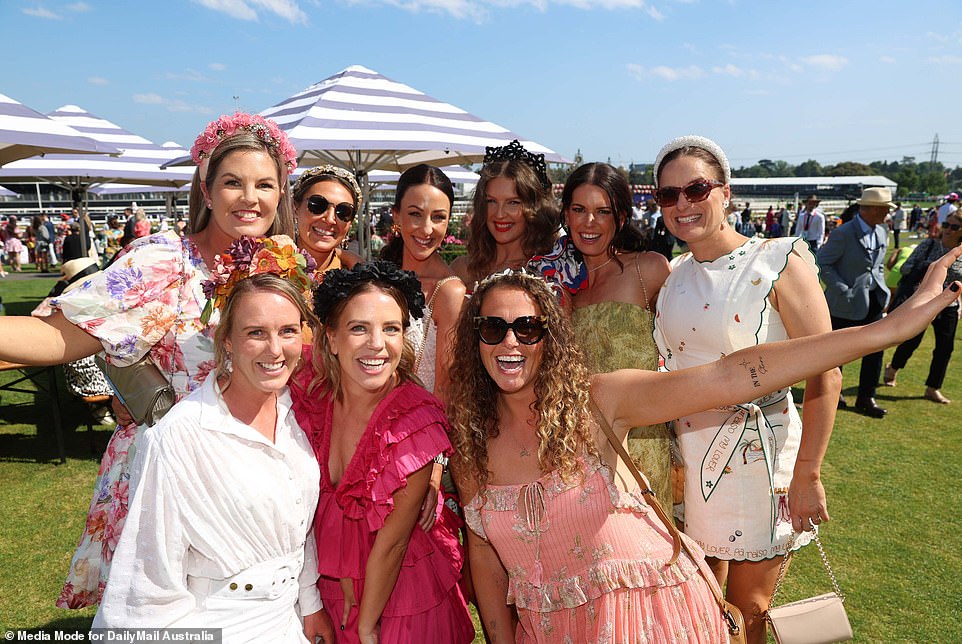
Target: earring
[[725, 203], [228, 363], [210, 206], [395, 229]]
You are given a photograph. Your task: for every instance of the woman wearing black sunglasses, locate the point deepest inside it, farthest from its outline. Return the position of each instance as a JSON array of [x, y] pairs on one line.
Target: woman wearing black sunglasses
[[945, 323], [553, 529], [326, 200], [728, 293]]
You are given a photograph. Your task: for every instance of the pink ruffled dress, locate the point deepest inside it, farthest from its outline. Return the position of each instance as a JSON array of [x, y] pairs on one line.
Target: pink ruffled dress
[[406, 431], [586, 564]]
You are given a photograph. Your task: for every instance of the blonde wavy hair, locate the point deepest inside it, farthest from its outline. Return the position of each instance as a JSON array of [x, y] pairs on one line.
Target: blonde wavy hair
[[562, 387]]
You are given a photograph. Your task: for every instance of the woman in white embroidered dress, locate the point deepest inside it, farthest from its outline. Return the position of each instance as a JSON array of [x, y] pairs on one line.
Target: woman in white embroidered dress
[[752, 475], [219, 533], [149, 301]]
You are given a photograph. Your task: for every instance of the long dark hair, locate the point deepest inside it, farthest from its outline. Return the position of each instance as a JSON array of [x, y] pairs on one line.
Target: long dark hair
[[615, 184], [415, 176]]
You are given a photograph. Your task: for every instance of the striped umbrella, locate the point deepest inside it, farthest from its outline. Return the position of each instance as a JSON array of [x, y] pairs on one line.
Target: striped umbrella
[[361, 120], [138, 162], [25, 133], [7, 193]]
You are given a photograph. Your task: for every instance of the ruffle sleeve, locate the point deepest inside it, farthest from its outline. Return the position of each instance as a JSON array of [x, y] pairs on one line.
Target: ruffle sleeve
[[133, 304], [408, 429]]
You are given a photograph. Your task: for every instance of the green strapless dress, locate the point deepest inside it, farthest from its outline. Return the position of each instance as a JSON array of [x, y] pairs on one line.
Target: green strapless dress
[[617, 335]]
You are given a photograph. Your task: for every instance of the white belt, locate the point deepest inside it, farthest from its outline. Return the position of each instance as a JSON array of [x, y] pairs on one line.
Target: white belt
[[270, 579]]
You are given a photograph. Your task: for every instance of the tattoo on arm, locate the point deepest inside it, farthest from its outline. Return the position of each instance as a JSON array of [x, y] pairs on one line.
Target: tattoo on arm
[[755, 371]]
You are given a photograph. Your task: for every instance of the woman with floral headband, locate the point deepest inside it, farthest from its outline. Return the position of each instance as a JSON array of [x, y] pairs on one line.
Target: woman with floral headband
[[326, 202], [149, 302], [220, 530], [559, 529], [421, 211], [732, 292], [376, 434], [515, 217]]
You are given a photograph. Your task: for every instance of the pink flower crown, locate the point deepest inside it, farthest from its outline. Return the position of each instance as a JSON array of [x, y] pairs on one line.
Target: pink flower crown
[[249, 256], [227, 126]]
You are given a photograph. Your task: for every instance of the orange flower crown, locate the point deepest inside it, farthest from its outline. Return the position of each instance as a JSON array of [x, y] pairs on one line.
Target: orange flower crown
[[249, 256]]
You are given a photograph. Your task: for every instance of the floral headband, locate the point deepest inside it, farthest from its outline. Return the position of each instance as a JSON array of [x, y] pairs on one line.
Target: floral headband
[[341, 283], [227, 126], [308, 176], [514, 151], [249, 256]]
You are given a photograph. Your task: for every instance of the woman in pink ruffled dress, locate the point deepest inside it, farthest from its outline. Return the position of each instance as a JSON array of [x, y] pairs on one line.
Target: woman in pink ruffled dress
[[377, 434]]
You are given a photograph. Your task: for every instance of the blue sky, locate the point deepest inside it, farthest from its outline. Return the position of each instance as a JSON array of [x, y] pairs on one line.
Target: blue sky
[[838, 80]]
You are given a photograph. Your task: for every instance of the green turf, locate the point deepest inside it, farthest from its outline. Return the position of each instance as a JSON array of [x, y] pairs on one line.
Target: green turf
[[893, 539]]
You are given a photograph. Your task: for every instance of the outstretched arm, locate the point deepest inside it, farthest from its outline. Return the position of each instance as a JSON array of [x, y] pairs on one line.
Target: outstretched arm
[[44, 341], [632, 397]]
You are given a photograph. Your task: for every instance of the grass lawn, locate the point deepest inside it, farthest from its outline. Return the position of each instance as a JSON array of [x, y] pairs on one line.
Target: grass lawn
[[895, 548]]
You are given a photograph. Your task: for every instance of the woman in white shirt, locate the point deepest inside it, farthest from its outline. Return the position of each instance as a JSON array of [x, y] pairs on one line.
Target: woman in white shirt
[[219, 533]]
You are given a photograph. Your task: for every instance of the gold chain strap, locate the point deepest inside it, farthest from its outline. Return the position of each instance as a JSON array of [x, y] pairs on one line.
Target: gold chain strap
[[784, 566]]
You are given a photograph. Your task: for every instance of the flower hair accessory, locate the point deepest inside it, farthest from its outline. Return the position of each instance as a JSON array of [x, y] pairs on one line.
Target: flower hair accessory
[[227, 126], [341, 283], [249, 256], [514, 151], [311, 174], [693, 141]]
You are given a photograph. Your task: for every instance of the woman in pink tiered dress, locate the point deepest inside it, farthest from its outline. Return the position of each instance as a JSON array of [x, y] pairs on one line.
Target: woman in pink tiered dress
[[377, 434]]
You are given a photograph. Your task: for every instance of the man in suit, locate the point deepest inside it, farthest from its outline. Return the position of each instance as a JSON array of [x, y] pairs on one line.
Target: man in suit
[[811, 224], [852, 266]]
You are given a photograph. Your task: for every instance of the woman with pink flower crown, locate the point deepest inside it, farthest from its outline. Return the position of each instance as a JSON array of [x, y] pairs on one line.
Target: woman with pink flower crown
[[149, 302]]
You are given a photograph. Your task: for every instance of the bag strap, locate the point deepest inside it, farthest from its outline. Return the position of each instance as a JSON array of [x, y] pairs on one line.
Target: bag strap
[[426, 319], [677, 542], [784, 567]]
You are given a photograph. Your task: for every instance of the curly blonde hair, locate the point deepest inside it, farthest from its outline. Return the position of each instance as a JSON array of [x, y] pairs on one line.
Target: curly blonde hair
[[562, 387]]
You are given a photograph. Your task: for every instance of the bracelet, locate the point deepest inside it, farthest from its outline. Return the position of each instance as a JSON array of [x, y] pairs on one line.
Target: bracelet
[[441, 460]]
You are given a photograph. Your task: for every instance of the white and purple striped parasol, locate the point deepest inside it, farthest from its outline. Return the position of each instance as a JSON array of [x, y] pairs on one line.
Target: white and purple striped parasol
[[25, 133], [138, 162]]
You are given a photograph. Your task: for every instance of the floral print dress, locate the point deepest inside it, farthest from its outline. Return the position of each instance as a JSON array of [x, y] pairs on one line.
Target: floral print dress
[[148, 301]]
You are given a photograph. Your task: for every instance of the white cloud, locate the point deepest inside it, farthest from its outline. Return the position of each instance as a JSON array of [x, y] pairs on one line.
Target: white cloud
[[478, 9], [729, 70], [639, 72], [826, 62], [79, 7], [41, 12], [887, 59], [98, 80], [946, 60], [248, 9], [218, 67], [186, 75], [171, 104]]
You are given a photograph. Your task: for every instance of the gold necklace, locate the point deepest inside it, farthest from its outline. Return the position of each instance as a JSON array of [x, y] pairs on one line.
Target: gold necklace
[[601, 265]]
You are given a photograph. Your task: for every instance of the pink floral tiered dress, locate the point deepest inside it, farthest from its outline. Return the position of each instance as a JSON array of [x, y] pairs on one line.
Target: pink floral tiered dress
[[586, 564], [406, 431]]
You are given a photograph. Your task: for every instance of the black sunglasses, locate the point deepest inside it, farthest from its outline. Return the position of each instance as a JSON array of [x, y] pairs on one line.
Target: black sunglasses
[[953, 226], [697, 190], [528, 329], [318, 205]]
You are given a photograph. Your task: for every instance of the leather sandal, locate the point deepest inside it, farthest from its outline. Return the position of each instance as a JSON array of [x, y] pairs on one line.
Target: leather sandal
[[933, 394]]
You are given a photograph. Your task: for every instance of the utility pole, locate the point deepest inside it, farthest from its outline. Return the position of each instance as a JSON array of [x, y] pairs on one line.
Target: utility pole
[[935, 150]]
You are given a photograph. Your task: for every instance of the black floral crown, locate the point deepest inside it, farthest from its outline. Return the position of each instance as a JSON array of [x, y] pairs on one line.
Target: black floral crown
[[514, 151], [341, 283]]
